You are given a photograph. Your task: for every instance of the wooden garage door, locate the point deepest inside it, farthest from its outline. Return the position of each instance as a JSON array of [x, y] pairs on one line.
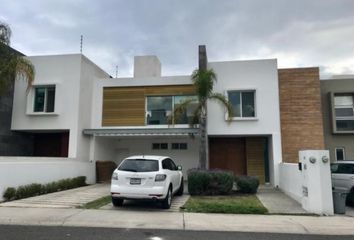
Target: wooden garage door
[[228, 154]]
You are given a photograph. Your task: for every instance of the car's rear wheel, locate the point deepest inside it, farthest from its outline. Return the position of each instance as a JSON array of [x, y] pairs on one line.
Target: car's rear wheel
[[117, 202], [166, 203], [180, 189]]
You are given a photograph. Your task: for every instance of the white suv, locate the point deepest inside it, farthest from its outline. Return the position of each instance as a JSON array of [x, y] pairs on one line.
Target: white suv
[[146, 177], [343, 174]]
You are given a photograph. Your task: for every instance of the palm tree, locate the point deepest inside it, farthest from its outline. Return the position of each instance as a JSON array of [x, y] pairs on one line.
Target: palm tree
[[203, 80], [12, 63]]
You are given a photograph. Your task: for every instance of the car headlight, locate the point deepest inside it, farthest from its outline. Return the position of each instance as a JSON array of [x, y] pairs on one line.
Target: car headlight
[[160, 177], [115, 176]]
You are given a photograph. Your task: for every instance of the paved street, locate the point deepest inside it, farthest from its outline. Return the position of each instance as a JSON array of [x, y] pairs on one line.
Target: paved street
[[78, 233]]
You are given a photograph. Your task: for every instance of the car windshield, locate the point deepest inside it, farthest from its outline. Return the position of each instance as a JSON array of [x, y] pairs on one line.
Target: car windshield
[[342, 168], [139, 165]]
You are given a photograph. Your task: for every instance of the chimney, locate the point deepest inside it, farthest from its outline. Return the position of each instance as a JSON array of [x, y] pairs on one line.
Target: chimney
[[147, 66], [203, 59]]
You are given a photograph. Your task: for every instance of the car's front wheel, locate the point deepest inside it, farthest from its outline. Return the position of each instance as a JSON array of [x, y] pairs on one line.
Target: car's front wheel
[[166, 203], [117, 202]]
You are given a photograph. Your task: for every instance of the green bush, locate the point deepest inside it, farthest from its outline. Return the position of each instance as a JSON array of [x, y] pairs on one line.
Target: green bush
[[35, 189], [30, 190], [10, 194], [209, 182], [247, 184]]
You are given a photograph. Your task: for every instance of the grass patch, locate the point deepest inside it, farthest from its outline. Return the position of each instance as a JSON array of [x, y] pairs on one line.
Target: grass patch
[[98, 203], [236, 204]]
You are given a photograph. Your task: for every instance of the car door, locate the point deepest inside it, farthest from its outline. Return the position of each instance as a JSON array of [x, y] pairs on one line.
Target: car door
[[342, 175], [175, 174]]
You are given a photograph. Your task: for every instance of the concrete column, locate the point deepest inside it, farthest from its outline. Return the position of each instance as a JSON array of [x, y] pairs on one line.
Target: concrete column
[[316, 182]]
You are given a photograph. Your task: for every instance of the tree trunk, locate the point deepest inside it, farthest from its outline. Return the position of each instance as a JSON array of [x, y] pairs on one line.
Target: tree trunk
[[203, 147]]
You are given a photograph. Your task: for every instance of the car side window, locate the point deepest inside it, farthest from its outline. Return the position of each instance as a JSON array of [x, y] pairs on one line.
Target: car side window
[[173, 165], [165, 164]]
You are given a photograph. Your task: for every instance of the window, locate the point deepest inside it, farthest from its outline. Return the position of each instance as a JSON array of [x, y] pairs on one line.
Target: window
[[160, 108], [243, 103], [159, 146], [181, 146], [344, 112], [139, 165], [340, 154], [44, 99], [169, 164], [341, 168]]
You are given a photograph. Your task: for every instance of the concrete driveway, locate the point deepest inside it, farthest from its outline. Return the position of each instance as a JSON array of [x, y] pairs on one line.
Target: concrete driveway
[[65, 199], [79, 196]]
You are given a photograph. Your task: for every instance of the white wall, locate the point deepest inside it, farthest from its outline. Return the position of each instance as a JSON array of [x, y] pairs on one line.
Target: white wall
[[16, 171], [125, 147], [258, 75], [89, 73], [290, 180]]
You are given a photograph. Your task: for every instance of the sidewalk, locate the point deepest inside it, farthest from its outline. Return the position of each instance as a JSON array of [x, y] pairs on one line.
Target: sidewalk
[[336, 225]]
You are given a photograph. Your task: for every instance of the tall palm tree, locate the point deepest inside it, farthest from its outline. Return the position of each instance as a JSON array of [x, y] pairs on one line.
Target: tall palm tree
[[203, 81], [12, 63]]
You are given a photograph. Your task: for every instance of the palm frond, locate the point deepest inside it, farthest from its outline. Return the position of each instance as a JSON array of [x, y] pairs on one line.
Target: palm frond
[[223, 100], [203, 81], [25, 70]]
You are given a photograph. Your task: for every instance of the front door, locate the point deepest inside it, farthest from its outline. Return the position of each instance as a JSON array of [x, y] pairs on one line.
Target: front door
[[228, 154]]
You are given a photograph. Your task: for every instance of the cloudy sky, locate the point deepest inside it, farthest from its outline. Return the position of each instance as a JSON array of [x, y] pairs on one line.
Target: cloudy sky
[[298, 33]]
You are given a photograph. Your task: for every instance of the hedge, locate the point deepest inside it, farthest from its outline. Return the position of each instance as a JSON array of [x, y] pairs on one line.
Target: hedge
[[35, 189], [210, 182]]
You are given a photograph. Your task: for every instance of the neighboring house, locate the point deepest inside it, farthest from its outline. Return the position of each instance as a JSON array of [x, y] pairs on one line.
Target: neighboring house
[[77, 111], [338, 116], [58, 106]]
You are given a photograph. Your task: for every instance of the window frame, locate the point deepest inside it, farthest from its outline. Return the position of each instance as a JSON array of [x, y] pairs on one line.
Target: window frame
[[334, 118], [335, 153], [45, 107], [254, 90], [172, 108]]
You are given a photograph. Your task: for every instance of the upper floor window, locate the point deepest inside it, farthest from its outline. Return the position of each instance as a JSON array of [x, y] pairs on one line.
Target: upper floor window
[[44, 99], [243, 103], [344, 112], [159, 109]]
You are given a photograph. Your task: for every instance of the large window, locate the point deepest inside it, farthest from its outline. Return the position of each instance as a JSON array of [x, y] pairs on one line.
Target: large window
[[344, 112], [243, 103], [44, 99], [159, 109]]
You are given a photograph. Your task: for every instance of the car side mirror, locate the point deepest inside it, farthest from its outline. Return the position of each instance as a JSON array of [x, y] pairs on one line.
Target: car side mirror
[[179, 168]]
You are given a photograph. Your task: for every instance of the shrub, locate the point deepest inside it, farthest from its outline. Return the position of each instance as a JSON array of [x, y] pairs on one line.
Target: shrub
[[28, 190], [209, 182], [35, 189], [247, 184], [10, 194]]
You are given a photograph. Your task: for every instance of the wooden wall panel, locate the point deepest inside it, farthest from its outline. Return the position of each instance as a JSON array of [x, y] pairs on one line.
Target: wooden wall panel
[[125, 106], [255, 157]]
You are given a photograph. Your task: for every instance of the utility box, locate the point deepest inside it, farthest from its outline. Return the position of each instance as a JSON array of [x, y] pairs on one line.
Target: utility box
[[316, 182]]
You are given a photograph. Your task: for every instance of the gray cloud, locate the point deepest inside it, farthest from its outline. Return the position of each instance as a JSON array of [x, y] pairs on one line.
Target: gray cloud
[[298, 33]]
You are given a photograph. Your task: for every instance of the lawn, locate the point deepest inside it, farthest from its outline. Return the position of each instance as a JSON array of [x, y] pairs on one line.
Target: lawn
[[236, 204]]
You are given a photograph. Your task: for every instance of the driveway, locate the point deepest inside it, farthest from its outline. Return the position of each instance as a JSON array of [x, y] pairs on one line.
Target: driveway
[[65, 199], [79, 196]]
